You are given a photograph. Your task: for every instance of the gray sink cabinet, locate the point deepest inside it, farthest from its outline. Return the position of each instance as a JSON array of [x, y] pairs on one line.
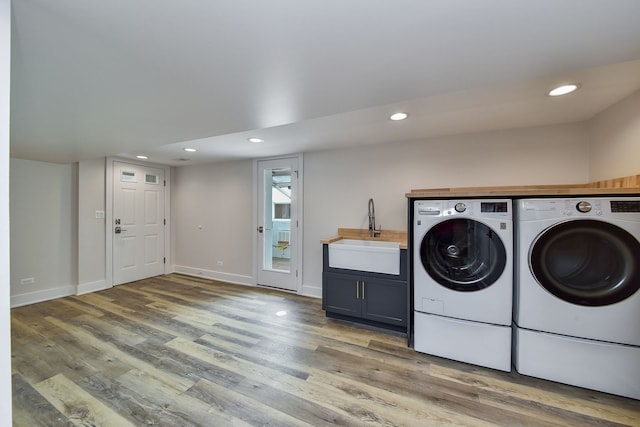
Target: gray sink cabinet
[[376, 299]]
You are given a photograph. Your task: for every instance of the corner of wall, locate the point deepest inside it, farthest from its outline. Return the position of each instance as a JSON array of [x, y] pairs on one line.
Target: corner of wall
[[312, 291], [86, 288], [5, 323], [75, 198], [613, 140]]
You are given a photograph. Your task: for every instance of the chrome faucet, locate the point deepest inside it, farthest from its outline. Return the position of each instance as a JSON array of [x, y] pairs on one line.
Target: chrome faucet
[[372, 220]]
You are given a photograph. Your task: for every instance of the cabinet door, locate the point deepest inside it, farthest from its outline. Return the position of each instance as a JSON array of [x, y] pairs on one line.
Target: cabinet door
[[341, 293], [384, 301]]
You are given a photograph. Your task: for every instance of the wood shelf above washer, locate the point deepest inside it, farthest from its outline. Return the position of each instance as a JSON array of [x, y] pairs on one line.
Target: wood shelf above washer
[[620, 186]]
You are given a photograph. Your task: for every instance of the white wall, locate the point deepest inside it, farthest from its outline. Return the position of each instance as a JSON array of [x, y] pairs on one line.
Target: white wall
[[338, 184], [615, 140], [91, 230], [57, 238], [43, 230], [5, 331], [212, 220]]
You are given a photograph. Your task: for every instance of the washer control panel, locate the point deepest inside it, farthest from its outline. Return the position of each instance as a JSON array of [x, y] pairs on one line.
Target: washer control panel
[[471, 207]]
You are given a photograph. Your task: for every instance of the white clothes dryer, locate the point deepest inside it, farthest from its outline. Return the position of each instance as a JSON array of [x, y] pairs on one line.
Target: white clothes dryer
[[463, 280], [577, 310]]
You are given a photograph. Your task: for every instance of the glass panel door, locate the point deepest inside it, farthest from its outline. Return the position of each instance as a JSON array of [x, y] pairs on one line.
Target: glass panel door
[[277, 219], [277, 214]]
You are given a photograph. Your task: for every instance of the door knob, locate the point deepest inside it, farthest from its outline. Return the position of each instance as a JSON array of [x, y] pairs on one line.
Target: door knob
[[119, 230], [260, 229]]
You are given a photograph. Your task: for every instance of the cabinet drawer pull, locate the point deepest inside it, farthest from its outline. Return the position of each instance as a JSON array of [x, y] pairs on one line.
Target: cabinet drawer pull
[[358, 290], [363, 289]]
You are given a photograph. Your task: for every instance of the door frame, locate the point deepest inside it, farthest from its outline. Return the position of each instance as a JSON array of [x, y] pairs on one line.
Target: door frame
[[109, 165], [300, 210]]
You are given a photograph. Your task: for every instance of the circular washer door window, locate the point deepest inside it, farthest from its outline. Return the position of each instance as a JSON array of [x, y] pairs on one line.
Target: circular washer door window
[[463, 255], [586, 262]]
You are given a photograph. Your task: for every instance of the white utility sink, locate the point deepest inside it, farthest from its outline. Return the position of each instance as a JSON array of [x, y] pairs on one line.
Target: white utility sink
[[365, 255]]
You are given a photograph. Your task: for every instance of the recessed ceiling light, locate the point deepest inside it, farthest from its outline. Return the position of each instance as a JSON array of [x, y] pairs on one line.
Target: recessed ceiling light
[[563, 90], [398, 116], [254, 139], [190, 150], [142, 157]]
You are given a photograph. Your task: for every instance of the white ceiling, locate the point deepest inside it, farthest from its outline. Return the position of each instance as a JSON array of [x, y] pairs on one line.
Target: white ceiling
[[94, 78]]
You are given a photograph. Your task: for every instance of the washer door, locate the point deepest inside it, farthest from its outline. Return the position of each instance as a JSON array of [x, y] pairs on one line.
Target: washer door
[[586, 262], [463, 254]]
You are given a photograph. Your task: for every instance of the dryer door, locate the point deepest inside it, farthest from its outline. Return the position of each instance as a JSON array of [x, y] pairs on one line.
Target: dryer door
[[586, 262], [463, 255]]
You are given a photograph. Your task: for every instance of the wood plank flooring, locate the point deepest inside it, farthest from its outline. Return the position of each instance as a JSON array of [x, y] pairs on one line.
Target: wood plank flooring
[[182, 351]]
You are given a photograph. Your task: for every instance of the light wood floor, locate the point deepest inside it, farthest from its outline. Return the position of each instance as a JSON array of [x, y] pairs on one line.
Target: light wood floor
[[180, 351]]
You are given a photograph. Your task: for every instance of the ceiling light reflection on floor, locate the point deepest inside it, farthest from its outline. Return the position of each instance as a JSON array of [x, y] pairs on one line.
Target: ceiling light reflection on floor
[[563, 90], [281, 313]]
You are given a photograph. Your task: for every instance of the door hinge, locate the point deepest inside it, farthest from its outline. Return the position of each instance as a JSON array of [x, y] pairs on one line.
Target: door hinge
[[296, 223], [164, 260], [296, 174], [296, 273], [165, 221], [165, 182]]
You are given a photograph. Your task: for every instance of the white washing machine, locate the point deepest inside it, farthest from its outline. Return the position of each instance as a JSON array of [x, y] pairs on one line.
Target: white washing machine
[[463, 280], [577, 309]]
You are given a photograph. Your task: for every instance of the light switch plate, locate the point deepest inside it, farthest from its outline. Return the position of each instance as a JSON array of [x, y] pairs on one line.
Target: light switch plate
[[99, 214]]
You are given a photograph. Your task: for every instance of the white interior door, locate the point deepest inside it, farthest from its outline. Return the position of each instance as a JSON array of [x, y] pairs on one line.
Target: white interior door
[[138, 222], [277, 232]]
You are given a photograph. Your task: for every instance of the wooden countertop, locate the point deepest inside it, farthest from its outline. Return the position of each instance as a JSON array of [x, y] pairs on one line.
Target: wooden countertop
[[519, 191], [399, 236]]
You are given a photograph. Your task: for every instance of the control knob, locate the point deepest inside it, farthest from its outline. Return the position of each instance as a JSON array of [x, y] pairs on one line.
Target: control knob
[[584, 207], [460, 207]]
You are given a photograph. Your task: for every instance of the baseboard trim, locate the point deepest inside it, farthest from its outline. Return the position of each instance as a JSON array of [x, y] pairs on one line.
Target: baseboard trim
[[43, 295], [86, 288], [215, 275], [312, 291], [307, 290]]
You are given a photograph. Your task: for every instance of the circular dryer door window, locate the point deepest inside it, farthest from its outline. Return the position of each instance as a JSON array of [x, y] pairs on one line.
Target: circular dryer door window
[[586, 262], [463, 254]]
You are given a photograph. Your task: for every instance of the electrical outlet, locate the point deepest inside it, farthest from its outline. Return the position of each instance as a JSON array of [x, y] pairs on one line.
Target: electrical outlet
[[27, 281], [220, 263]]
